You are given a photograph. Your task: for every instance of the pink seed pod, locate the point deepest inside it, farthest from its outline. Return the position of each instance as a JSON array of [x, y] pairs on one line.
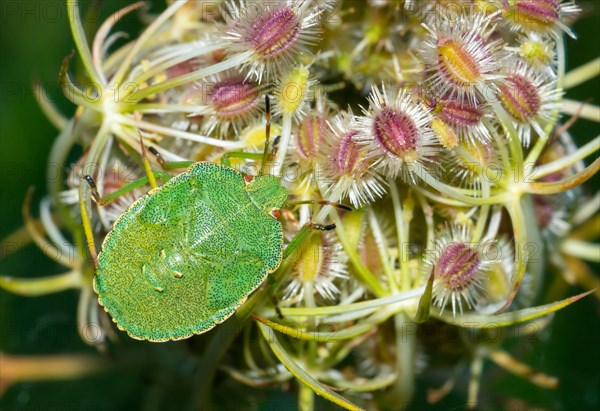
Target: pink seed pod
[[529, 98], [319, 270], [460, 269], [233, 98], [539, 16], [344, 165], [457, 266], [464, 119], [459, 114], [349, 159], [276, 33], [309, 135], [226, 101], [520, 97], [460, 58], [396, 132]]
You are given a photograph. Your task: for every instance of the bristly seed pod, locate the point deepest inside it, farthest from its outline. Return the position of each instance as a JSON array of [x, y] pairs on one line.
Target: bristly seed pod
[[539, 16], [309, 135], [292, 92], [520, 98], [539, 53], [396, 132], [444, 133], [551, 214], [344, 164], [460, 269], [320, 265], [529, 99], [308, 138], [275, 33], [227, 101], [468, 163], [462, 119], [459, 57]]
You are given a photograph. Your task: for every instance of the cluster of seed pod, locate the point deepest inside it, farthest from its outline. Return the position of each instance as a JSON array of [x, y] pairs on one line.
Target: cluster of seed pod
[[437, 121]]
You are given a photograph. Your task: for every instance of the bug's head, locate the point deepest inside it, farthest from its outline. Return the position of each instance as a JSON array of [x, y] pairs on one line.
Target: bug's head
[[267, 193]]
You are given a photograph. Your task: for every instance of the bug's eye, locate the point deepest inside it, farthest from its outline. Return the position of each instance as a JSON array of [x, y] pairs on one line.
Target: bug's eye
[[248, 179], [276, 213]]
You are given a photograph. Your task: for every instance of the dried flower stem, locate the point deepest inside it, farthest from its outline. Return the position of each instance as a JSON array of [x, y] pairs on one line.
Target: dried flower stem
[[582, 74], [232, 62], [568, 160], [146, 35]]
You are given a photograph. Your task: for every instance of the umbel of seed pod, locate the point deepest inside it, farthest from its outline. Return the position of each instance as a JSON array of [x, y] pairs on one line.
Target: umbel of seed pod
[[309, 135], [539, 53], [274, 32], [468, 163], [318, 268], [459, 269], [226, 101], [529, 99], [344, 165], [459, 57], [396, 131], [539, 16], [455, 120]]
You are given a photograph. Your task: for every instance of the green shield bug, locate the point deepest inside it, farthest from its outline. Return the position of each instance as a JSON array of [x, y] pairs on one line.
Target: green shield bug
[[186, 255]]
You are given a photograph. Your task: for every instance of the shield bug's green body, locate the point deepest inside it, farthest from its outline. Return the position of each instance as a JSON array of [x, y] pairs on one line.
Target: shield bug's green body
[[186, 255]]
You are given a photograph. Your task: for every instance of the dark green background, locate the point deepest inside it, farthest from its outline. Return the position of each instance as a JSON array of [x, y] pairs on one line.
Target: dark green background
[[34, 38]]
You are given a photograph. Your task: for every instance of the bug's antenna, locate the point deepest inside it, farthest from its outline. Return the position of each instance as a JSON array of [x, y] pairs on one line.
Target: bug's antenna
[[267, 134]]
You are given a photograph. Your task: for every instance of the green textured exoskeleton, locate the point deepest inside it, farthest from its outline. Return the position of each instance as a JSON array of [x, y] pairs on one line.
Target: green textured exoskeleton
[[186, 255]]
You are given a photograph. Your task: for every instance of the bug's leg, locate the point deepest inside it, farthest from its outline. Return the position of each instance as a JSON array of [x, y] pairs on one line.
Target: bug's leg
[[320, 202], [263, 157], [103, 200], [168, 165], [271, 287], [239, 154], [147, 167], [149, 179], [175, 273], [87, 225], [151, 280]]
